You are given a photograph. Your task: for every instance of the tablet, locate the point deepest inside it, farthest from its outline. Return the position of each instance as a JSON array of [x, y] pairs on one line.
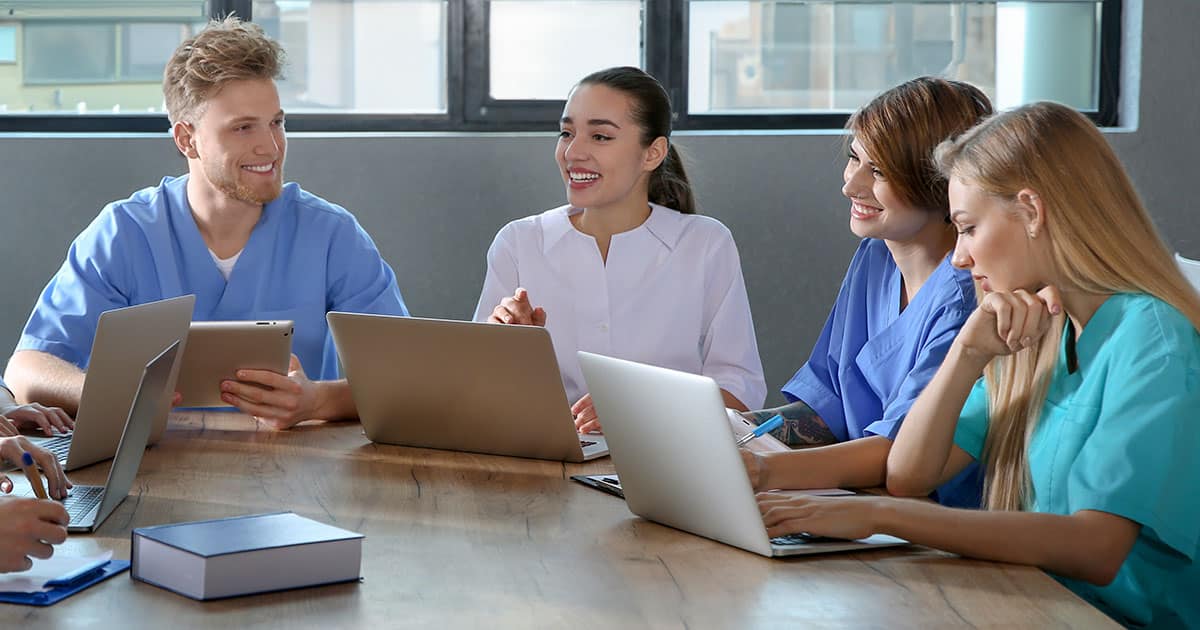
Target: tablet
[[216, 350]]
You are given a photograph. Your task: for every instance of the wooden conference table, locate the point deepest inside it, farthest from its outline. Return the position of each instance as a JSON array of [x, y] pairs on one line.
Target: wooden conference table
[[456, 540]]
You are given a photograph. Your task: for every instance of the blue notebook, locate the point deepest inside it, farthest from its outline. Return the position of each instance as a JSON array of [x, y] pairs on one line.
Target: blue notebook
[[67, 586]]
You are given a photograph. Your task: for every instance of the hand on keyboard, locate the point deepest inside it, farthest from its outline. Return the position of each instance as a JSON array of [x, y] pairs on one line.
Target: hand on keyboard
[[11, 449], [50, 420]]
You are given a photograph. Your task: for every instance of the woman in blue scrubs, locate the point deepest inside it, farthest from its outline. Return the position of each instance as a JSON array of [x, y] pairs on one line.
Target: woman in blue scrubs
[[900, 305], [1075, 383]]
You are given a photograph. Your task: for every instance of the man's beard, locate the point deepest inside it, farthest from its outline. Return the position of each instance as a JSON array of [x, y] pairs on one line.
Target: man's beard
[[234, 188]]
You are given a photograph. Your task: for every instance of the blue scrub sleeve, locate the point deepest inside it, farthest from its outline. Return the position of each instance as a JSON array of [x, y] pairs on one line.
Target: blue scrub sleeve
[[360, 280], [92, 279], [972, 428], [816, 383], [1140, 460], [941, 335]]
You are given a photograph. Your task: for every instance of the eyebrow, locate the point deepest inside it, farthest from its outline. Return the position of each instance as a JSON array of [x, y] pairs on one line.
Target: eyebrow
[[239, 119], [856, 155], [595, 122]]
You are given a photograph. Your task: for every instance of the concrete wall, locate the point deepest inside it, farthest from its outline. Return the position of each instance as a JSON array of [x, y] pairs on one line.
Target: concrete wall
[[434, 202]]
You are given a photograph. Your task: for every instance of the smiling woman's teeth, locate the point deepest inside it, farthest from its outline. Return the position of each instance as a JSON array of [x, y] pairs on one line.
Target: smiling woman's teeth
[[583, 177]]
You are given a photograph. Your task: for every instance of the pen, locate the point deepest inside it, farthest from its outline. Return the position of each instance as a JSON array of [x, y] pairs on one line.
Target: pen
[[31, 473], [770, 425]]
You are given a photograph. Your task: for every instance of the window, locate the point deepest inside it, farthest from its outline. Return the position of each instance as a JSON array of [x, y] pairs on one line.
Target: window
[[69, 53], [8, 43], [364, 56], [508, 64], [756, 58], [146, 46], [537, 48]]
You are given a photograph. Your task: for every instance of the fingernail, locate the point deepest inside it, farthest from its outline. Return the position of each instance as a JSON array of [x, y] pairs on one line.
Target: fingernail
[[1055, 309], [1025, 342]]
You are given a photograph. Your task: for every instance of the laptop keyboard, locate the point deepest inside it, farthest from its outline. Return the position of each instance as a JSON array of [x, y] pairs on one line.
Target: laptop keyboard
[[83, 499], [59, 445], [792, 540]]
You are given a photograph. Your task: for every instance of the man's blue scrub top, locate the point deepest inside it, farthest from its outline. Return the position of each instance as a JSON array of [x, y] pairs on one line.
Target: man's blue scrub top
[[305, 257]]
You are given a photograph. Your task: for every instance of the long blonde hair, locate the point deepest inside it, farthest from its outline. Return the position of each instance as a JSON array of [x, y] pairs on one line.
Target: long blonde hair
[[1100, 239]]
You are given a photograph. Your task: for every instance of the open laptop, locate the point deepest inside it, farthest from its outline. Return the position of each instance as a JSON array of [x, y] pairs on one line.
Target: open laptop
[[462, 386], [674, 452], [88, 506], [126, 340]]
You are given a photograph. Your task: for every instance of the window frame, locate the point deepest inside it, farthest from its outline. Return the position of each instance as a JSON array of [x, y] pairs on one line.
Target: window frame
[[471, 108]]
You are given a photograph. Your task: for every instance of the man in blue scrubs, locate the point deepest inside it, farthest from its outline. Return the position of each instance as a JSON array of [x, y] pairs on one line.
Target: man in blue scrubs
[[230, 231]]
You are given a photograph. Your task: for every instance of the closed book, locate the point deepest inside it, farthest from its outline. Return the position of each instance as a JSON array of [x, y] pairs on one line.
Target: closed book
[[245, 555]]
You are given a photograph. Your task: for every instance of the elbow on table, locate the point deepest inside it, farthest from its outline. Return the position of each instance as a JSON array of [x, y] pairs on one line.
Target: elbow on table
[[1102, 567], [903, 485]]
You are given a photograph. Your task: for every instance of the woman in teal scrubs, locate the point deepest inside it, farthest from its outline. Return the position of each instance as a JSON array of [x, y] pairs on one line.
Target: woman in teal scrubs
[[1076, 383]]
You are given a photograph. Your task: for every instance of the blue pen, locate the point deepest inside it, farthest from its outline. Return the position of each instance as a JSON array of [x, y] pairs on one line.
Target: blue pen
[[762, 429]]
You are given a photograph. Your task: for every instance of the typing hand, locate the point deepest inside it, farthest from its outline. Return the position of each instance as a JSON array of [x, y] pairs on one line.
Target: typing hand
[[518, 310], [850, 518], [50, 420], [277, 400], [7, 429], [756, 468], [27, 528], [585, 415], [11, 449]]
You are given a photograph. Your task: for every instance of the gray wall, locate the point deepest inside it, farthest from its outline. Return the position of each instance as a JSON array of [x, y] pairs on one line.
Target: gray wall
[[433, 202]]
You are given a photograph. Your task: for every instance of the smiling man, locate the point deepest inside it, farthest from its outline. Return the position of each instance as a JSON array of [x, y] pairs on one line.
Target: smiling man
[[229, 231]]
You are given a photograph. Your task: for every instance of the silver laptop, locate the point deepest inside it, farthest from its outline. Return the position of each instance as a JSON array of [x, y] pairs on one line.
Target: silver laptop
[[126, 340], [462, 386], [674, 452], [88, 506]]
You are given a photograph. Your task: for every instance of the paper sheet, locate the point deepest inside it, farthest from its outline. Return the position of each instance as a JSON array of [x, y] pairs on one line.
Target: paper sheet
[[58, 565], [764, 444]]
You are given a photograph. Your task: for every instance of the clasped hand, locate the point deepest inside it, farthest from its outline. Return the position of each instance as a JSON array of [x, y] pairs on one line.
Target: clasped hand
[[1007, 322]]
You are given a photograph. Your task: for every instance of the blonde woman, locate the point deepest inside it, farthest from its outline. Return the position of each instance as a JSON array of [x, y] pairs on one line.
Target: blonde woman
[[1085, 416]]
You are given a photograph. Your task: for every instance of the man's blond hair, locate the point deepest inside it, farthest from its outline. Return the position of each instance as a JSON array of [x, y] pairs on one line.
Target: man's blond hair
[[226, 50]]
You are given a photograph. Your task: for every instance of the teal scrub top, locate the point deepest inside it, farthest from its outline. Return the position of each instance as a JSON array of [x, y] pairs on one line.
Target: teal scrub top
[[1121, 434]]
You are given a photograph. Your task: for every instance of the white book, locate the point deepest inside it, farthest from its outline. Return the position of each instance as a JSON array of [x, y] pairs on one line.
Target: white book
[[245, 555]]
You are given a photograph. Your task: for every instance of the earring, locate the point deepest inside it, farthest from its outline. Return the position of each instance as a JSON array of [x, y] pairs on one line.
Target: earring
[[1031, 232]]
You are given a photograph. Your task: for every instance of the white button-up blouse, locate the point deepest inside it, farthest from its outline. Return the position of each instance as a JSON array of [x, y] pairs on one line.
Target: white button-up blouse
[[671, 294]]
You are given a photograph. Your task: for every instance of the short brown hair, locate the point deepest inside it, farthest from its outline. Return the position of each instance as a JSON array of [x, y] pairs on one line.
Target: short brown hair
[[901, 128], [226, 50]]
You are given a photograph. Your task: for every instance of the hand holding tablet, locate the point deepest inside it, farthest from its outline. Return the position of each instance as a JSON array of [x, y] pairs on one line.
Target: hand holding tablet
[[217, 350]]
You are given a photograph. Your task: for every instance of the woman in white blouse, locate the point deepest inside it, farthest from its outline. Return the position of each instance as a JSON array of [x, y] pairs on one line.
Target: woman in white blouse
[[626, 268]]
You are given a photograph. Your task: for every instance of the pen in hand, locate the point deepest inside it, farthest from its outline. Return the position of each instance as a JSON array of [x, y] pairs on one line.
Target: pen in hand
[[31, 473], [770, 425]]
